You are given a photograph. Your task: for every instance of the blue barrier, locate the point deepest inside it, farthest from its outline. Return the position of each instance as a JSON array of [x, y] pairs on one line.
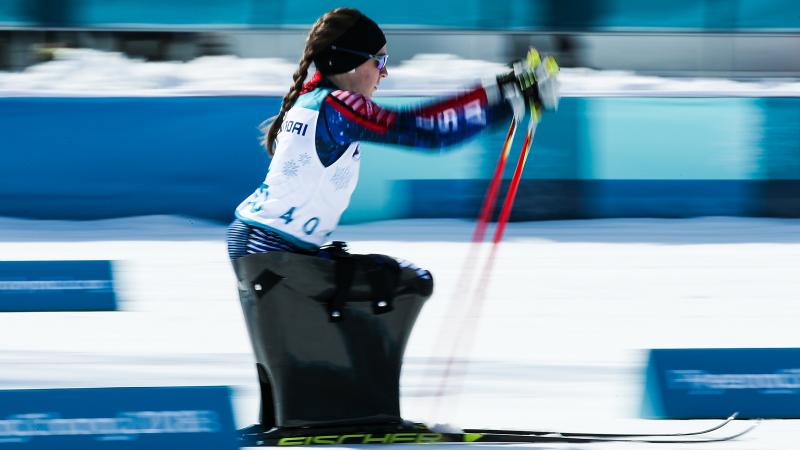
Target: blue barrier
[[714, 383], [597, 199], [57, 286], [115, 157], [610, 157], [597, 157], [157, 418]]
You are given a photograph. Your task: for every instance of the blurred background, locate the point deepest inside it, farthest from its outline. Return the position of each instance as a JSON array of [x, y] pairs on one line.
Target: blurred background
[[729, 38], [129, 133]]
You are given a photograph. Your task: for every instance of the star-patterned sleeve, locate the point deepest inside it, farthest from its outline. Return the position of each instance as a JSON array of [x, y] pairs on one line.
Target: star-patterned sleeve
[[346, 117]]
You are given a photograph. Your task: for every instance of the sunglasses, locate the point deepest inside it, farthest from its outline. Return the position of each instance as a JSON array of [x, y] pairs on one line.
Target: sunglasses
[[381, 59]]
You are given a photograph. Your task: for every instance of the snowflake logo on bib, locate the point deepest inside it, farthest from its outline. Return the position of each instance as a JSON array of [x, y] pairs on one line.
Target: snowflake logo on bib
[[304, 159], [341, 178], [290, 168]]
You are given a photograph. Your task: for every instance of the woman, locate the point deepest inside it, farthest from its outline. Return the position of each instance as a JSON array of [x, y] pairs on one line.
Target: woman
[[315, 137], [312, 373]]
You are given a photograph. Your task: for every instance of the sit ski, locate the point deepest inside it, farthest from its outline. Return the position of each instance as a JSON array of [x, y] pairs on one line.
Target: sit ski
[[329, 337]]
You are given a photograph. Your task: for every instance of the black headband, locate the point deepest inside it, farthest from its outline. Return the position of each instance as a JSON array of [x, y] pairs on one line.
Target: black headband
[[364, 36]]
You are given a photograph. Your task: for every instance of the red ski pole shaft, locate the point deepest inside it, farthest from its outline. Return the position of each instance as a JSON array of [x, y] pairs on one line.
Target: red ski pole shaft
[[468, 269], [505, 213], [464, 334], [490, 198]]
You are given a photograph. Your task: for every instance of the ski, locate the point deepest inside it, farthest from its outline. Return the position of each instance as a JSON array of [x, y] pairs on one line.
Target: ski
[[606, 435], [356, 436]]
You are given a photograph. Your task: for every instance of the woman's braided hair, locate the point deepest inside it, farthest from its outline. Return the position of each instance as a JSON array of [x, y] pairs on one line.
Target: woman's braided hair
[[325, 30]]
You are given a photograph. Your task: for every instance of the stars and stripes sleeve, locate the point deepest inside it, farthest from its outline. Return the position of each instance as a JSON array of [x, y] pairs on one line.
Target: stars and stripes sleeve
[[349, 117]]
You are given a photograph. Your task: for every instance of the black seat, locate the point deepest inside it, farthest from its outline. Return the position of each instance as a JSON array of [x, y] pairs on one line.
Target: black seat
[[329, 335]]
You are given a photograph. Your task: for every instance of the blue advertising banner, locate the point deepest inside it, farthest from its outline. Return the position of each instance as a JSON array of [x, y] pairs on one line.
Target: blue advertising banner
[[598, 157], [56, 286], [190, 156], [153, 418], [714, 383]]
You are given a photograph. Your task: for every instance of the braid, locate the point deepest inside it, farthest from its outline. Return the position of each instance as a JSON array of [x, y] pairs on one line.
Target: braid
[[288, 102], [325, 30]]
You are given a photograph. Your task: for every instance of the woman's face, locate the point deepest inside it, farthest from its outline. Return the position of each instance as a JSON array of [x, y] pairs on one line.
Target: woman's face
[[366, 77]]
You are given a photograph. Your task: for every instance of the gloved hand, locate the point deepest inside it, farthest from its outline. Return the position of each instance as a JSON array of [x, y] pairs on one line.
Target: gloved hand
[[532, 80]]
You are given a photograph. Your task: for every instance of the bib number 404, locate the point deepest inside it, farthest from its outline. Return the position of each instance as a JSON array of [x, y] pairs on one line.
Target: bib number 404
[[309, 226]]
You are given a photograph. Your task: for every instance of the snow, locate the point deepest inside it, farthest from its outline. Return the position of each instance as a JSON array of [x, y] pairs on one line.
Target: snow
[[560, 341], [86, 72]]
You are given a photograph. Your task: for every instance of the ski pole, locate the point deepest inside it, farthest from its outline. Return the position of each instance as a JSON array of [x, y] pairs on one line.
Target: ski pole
[[465, 332], [467, 272], [494, 186], [505, 213]]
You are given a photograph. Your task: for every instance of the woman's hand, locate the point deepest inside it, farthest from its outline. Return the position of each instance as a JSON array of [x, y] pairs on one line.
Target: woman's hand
[[532, 81]]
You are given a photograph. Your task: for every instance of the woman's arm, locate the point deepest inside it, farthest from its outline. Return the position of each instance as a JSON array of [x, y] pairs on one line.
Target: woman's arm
[[346, 117]]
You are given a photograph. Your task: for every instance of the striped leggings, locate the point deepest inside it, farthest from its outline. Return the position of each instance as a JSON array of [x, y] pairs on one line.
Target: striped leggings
[[244, 240]]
